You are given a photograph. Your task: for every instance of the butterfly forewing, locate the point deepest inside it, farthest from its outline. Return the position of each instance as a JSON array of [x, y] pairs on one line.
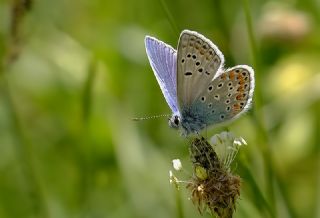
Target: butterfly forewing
[[163, 58], [198, 61], [228, 95]]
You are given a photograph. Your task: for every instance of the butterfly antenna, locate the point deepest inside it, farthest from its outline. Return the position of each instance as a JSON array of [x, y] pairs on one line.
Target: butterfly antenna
[[150, 117]]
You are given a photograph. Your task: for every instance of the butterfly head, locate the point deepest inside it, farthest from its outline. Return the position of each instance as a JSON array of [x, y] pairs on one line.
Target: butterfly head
[[174, 121]]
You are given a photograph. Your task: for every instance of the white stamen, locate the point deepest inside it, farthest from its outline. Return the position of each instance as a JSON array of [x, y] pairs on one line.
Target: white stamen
[[176, 163]]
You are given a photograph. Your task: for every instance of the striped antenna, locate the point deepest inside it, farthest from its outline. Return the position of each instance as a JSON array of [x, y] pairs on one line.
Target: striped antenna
[[150, 117]]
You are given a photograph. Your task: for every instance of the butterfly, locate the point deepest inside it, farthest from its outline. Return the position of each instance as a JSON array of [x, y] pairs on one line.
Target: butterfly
[[195, 85]]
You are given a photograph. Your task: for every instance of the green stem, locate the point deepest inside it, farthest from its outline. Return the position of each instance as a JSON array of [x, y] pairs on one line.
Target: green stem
[[85, 149], [23, 146], [316, 144], [263, 134], [24, 150], [260, 201], [179, 204], [87, 92], [170, 17], [223, 27], [252, 41]]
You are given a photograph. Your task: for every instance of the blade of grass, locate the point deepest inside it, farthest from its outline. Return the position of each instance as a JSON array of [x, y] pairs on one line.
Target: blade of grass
[[85, 149], [87, 91], [179, 204], [170, 17], [23, 146], [266, 146], [316, 110], [263, 135], [261, 202], [25, 155]]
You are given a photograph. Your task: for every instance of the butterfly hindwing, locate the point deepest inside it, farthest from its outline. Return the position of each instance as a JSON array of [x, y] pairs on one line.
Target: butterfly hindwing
[[198, 61], [227, 96], [163, 58]]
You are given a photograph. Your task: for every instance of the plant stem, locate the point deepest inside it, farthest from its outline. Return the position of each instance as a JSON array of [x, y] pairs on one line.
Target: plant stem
[[25, 156], [85, 149], [263, 134], [179, 204], [170, 17]]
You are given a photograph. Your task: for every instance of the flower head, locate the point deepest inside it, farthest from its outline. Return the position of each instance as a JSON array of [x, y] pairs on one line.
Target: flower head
[[212, 186]]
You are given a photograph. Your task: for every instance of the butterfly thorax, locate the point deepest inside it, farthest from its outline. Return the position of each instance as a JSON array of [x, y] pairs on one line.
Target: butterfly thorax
[[191, 120]]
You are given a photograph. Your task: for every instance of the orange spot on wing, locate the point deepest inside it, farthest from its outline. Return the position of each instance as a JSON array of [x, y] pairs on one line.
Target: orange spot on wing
[[240, 89], [241, 82], [236, 107], [223, 76], [231, 75], [239, 97], [239, 77]]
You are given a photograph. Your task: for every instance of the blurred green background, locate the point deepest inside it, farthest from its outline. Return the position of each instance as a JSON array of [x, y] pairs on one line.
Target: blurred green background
[[73, 74]]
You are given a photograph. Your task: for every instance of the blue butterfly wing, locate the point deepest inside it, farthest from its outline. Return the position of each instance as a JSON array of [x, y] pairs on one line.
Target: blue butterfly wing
[[163, 60], [225, 98]]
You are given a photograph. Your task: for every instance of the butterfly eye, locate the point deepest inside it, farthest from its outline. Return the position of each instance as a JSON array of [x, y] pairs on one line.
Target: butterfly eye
[[176, 121]]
